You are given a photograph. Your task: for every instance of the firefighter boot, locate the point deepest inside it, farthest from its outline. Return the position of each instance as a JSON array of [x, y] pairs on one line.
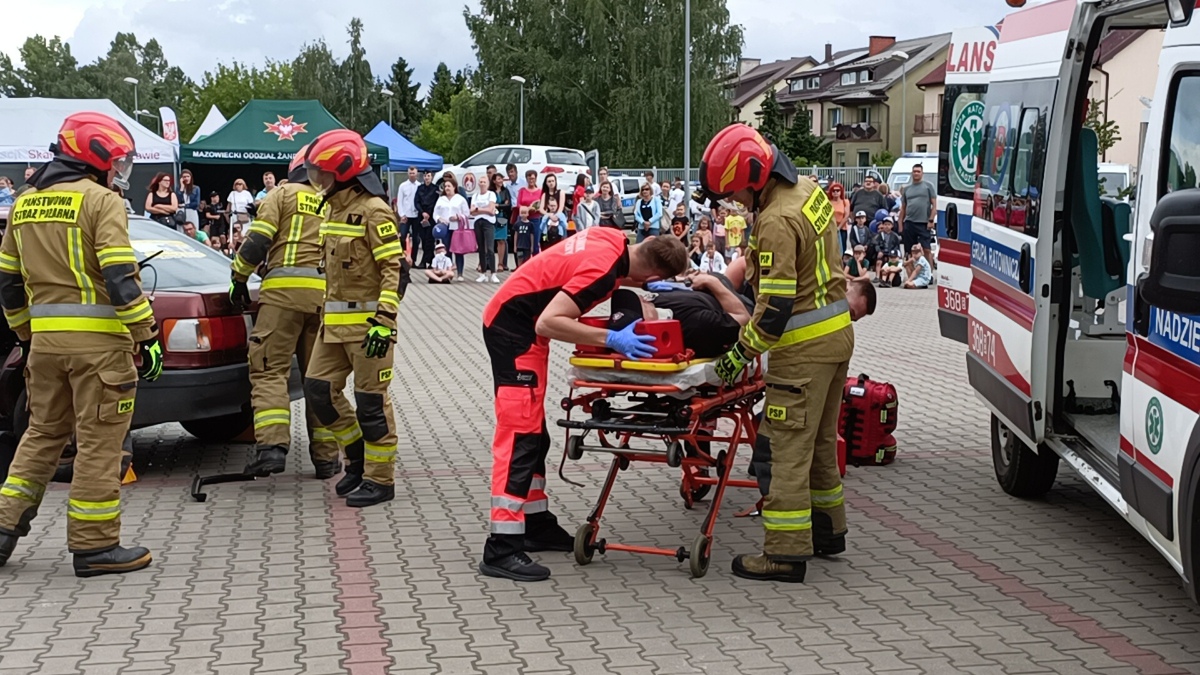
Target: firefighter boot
[[370, 494], [516, 566], [115, 560], [766, 568], [270, 459], [354, 469], [825, 542], [325, 470], [8, 544]]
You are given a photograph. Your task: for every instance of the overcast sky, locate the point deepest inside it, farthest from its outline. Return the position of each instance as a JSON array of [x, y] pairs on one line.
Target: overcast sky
[[196, 34]]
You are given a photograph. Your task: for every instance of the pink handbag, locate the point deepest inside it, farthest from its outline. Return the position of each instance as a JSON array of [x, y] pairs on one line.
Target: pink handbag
[[462, 240]]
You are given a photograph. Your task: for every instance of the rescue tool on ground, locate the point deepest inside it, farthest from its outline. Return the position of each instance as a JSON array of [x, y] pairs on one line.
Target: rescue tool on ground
[[69, 285], [803, 318]]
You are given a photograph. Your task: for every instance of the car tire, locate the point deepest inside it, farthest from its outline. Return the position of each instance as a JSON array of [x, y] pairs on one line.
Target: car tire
[[1020, 470], [221, 429]]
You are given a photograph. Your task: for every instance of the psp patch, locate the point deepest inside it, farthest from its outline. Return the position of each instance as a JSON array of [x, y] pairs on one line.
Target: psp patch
[[818, 210], [777, 413], [125, 406], [766, 259], [385, 375], [386, 230]]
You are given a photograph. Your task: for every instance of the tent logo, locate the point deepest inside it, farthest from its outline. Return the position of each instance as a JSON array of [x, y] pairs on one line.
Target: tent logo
[[285, 129]]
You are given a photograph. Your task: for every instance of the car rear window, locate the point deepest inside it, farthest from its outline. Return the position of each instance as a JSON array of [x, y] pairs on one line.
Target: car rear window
[[184, 263], [561, 156]]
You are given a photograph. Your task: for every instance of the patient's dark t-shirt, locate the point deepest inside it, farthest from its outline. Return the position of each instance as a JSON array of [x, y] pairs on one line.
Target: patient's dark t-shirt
[[708, 330]]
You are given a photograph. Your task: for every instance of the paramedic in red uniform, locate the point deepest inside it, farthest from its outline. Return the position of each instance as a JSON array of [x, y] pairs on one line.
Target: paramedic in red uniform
[[541, 302]]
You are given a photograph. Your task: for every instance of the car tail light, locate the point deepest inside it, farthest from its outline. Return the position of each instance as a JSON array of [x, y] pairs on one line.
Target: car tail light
[[205, 335], [553, 169]]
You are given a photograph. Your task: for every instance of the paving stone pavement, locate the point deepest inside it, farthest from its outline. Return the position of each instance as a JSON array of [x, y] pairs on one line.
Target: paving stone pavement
[[945, 573]]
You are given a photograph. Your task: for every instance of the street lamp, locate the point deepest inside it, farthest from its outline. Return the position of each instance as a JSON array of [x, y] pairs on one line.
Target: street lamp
[[134, 82], [902, 57], [687, 96], [521, 81], [391, 97], [139, 114]]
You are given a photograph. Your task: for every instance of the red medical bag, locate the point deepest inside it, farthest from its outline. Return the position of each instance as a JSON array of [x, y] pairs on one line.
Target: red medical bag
[[867, 421], [668, 336]]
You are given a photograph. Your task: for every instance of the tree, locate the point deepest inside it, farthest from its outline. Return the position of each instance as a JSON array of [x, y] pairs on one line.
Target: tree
[[442, 89], [407, 105], [159, 83], [606, 75], [362, 91], [47, 69], [438, 134], [231, 87], [883, 158], [1108, 132], [802, 146], [770, 124], [317, 75]]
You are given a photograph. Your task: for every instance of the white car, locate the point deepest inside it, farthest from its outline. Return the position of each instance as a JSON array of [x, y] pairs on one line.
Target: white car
[[567, 164]]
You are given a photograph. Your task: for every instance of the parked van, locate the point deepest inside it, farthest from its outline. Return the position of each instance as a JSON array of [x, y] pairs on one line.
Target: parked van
[[901, 174], [1083, 326]]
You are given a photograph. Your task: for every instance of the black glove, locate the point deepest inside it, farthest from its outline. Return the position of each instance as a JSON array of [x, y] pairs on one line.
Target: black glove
[[152, 359], [239, 294], [379, 338]]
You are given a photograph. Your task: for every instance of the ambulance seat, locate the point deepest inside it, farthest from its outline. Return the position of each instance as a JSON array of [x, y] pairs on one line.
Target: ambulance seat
[[1087, 223], [1116, 216]]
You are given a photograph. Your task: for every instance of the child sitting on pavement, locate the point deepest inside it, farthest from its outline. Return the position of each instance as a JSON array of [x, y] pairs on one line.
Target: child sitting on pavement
[[441, 270]]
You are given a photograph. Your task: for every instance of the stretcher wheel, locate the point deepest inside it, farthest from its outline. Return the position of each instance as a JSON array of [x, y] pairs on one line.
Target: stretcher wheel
[[601, 410], [698, 557], [675, 454], [695, 494], [583, 544], [574, 447]]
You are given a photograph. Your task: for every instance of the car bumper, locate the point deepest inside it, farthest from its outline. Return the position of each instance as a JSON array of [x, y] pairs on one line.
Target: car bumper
[[202, 393]]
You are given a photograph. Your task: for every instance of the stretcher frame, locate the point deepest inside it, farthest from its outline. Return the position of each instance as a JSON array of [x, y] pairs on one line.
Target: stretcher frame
[[689, 430]]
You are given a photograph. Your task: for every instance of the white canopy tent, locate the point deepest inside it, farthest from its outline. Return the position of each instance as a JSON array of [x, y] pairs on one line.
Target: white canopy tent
[[212, 121], [29, 125]]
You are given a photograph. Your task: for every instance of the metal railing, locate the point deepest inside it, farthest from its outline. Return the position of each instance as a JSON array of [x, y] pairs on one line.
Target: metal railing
[[927, 124], [845, 175]]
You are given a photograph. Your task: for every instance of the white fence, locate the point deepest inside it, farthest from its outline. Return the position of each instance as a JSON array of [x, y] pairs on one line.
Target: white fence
[[845, 175]]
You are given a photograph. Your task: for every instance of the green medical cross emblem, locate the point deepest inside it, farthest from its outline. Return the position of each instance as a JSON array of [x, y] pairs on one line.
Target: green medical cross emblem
[[1154, 425]]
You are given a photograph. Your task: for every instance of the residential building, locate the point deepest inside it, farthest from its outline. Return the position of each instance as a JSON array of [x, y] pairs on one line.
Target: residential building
[[1123, 75], [861, 98], [927, 125], [755, 78]]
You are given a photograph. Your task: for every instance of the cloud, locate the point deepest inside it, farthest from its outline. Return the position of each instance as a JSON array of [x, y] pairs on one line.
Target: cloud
[[196, 34]]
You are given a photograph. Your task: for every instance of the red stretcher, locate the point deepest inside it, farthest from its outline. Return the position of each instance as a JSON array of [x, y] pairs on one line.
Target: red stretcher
[[606, 411]]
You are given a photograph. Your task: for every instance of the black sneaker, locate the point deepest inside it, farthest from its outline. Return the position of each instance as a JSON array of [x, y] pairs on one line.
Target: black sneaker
[[8, 544], [269, 460], [518, 567], [116, 560], [550, 539], [325, 470], [350, 482], [370, 494]]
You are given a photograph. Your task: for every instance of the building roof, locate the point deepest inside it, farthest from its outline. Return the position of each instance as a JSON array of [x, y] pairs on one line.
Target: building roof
[[885, 71], [936, 77], [762, 77], [1115, 42]]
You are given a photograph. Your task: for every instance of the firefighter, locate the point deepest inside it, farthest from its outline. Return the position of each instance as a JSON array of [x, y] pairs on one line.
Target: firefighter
[[366, 275], [69, 285], [541, 302], [286, 234], [803, 318]]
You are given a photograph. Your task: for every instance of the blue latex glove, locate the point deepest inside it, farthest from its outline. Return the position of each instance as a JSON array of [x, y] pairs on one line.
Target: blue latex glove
[[666, 287], [631, 345]]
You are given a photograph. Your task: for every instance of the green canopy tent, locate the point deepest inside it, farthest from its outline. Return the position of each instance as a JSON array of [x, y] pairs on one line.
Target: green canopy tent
[[261, 137]]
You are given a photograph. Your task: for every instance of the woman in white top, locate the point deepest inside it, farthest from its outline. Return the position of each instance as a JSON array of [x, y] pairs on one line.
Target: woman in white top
[[452, 211], [483, 210], [239, 200], [712, 261]]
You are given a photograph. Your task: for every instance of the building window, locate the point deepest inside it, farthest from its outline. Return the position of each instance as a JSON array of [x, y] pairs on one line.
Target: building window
[[864, 158], [866, 76], [841, 158], [814, 83], [849, 78], [864, 114], [796, 85], [835, 117], [922, 147]]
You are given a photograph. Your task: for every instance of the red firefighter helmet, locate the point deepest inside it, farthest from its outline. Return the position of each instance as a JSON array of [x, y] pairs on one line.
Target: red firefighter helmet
[[738, 157], [340, 152], [298, 159], [99, 141]]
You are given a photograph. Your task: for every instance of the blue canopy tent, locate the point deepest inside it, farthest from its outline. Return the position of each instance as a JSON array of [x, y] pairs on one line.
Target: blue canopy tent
[[402, 153]]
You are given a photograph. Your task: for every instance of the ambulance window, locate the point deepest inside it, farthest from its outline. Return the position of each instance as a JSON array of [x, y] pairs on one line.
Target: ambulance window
[[1182, 159], [1012, 157]]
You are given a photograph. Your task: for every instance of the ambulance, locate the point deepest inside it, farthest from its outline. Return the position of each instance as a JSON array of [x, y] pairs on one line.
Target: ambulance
[[968, 70], [1083, 325]]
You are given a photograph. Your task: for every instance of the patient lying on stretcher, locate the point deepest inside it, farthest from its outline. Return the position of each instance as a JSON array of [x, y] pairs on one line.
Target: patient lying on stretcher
[[710, 312]]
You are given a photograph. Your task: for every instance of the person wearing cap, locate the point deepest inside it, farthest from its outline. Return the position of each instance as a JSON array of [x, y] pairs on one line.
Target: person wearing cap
[[917, 272], [857, 268], [441, 269], [887, 245], [860, 234], [587, 212], [803, 317]]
